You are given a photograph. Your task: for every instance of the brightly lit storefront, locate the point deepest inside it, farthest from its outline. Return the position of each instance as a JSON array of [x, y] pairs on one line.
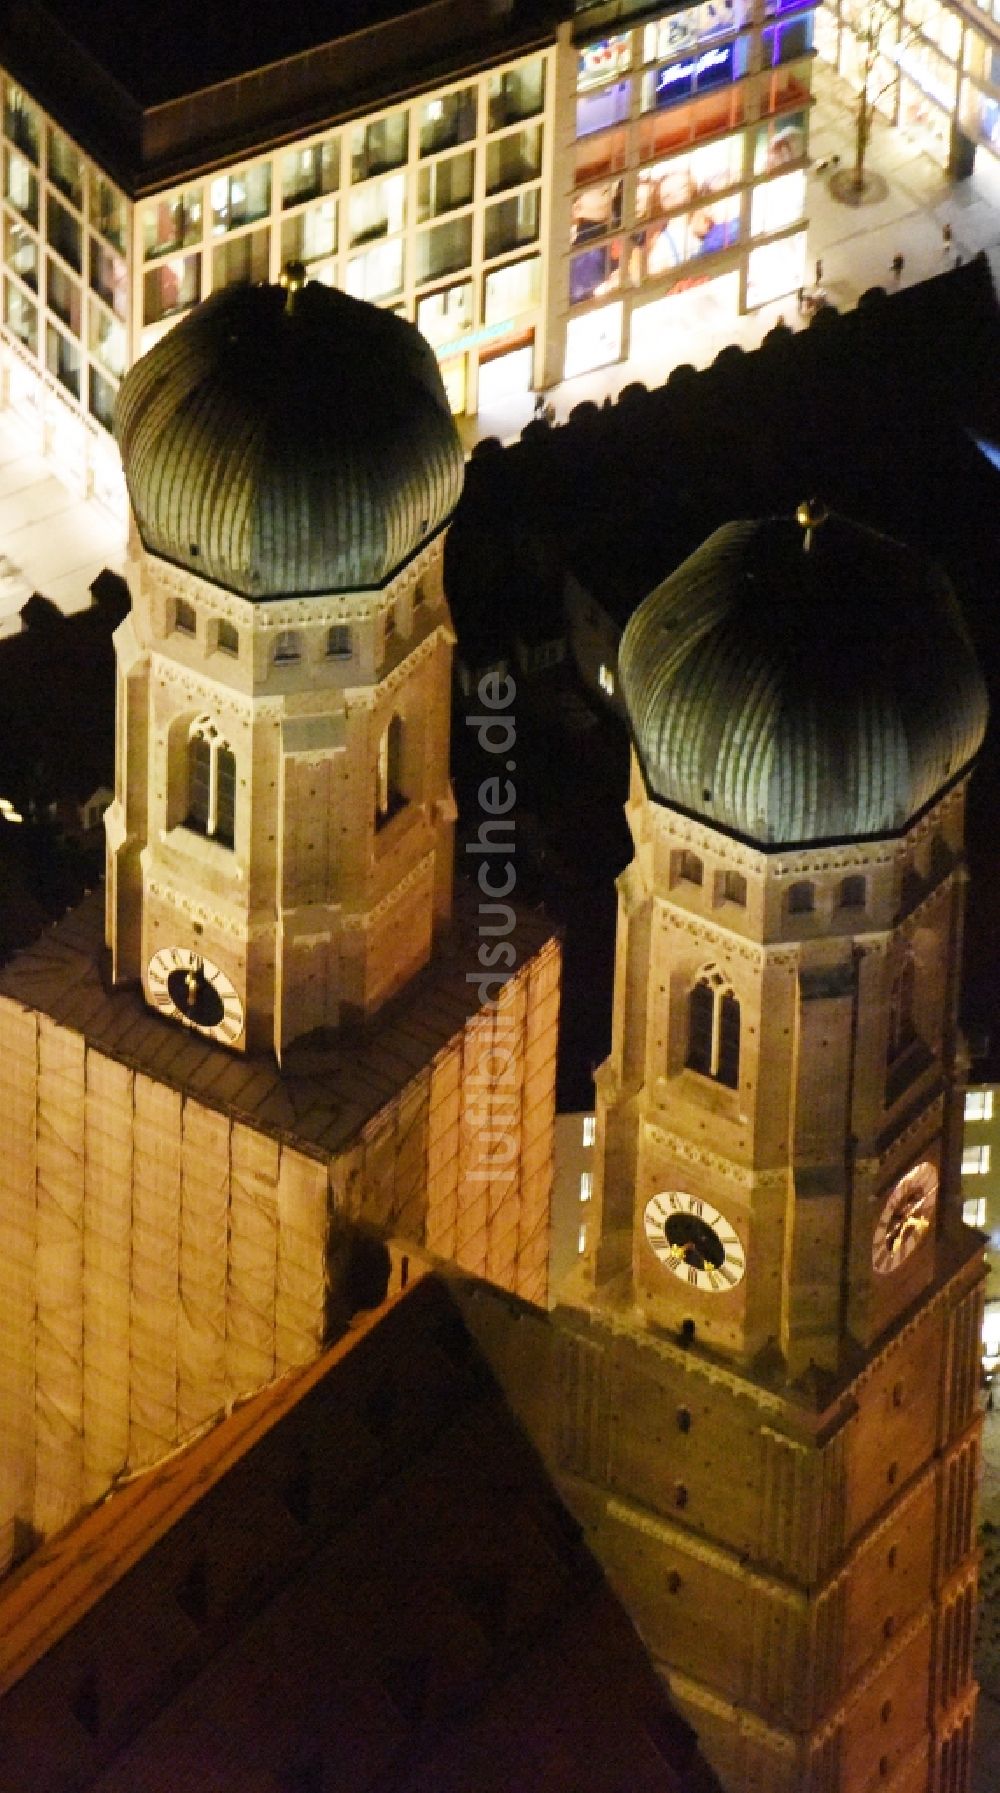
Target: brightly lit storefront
[[936, 75], [691, 138]]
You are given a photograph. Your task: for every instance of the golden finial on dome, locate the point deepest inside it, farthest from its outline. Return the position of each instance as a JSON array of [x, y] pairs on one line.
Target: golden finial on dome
[[812, 512], [293, 277]]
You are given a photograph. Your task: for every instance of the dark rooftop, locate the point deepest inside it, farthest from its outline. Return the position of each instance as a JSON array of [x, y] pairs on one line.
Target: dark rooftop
[[362, 1579]]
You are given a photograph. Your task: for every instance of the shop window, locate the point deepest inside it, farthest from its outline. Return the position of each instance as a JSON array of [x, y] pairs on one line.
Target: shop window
[[902, 1031], [20, 185], [378, 274], [22, 121], [515, 94], [170, 288], [310, 234], [514, 159], [443, 249], [595, 212], [776, 269], [445, 316], [731, 887], [338, 641], [801, 899], [596, 272], [713, 1047], [65, 167], [445, 186], [974, 1211], [602, 110], [20, 316], [170, 223], [20, 247], [511, 290], [310, 172], [976, 1161], [979, 1105], [389, 798], [108, 278], [63, 360], [597, 156], [107, 210], [673, 128], [511, 223], [778, 204], [779, 144], [242, 260], [674, 185], [851, 893], [379, 146], [64, 232], [786, 42], [599, 62], [377, 211], [688, 868], [287, 647], [446, 121], [593, 340], [240, 198], [211, 783]]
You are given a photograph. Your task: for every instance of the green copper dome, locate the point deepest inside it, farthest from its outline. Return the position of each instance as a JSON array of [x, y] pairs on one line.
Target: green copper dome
[[286, 441], [794, 685]]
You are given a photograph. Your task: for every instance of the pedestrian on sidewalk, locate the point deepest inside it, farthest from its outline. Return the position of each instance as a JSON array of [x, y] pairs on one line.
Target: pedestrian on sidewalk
[[819, 272], [946, 235], [897, 264]]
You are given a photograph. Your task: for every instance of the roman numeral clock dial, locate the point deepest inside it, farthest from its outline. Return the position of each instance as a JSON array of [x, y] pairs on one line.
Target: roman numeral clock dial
[[694, 1241], [188, 988]]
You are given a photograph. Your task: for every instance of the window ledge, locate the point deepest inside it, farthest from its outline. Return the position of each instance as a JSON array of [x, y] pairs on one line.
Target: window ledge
[[201, 849]]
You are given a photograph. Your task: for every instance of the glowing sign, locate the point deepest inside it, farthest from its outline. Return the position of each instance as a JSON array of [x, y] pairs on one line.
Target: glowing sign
[[711, 69]]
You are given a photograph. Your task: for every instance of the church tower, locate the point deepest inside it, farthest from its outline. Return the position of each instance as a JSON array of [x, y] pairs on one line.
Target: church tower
[[247, 1082], [280, 843], [778, 1246]]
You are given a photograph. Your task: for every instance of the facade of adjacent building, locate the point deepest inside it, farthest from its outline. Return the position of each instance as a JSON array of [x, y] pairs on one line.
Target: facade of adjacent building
[[529, 191]]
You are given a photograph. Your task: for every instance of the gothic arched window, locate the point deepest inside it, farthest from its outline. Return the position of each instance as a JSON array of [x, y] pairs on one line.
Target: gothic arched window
[[211, 782], [713, 1045], [389, 795], [902, 1028]]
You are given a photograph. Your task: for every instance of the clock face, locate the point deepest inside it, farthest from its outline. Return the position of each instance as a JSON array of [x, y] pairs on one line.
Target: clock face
[[694, 1241], [190, 989], [906, 1218]]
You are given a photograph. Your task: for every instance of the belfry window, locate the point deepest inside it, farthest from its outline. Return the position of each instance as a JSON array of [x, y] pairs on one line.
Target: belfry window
[[713, 1046], [211, 782], [389, 773], [902, 1030]]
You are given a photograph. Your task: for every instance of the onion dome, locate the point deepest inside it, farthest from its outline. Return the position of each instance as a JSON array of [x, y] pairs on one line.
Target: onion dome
[[283, 440], [802, 682]]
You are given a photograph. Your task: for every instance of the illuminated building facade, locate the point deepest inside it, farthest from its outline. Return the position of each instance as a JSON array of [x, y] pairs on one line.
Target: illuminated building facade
[[937, 76], [431, 199], [528, 207], [690, 137]]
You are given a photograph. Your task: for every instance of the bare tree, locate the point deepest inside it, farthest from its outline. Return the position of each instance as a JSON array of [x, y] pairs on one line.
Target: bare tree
[[874, 34]]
